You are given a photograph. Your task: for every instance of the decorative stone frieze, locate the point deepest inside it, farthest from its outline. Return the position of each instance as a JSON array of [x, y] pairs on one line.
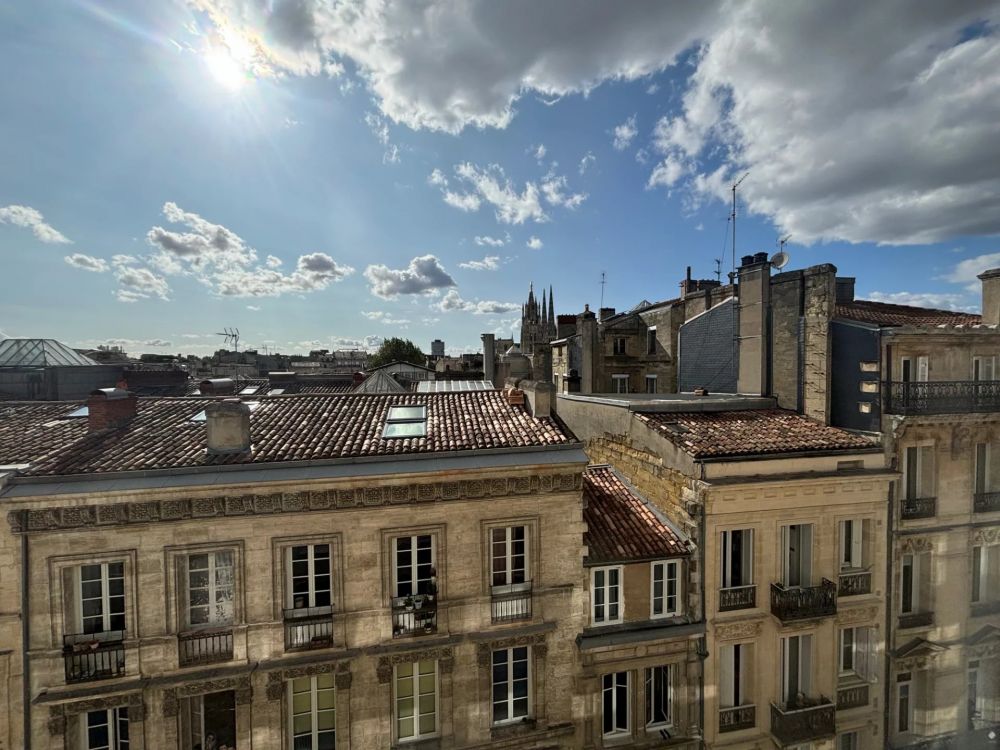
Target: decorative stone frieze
[[444, 655], [277, 678], [240, 685], [854, 615], [485, 650], [986, 535], [738, 630], [914, 544]]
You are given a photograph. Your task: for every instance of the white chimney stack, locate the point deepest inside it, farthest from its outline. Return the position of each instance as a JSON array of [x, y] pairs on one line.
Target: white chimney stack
[[227, 426]]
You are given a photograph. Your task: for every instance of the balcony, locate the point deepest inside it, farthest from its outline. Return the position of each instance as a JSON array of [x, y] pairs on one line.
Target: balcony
[[986, 502], [414, 615], [738, 597], [852, 696], [736, 718], [308, 628], [854, 583], [981, 609], [803, 603], [205, 646], [944, 397], [918, 507], [94, 656], [510, 602], [916, 620], [793, 724]]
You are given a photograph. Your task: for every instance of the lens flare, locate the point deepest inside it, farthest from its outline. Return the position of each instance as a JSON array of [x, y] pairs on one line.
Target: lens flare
[[225, 69]]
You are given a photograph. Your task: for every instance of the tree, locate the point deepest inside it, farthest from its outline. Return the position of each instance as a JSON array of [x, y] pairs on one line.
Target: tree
[[397, 350]]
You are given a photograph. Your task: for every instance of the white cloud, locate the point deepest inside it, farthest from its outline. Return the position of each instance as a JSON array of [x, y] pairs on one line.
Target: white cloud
[[367, 343], [624, 134], [489, 263], [423, 275], [491, 185], [87, 262], [380, 129], [534, 243], [539, 151], [136, 283], [921, 299], [31, 218], [492, 241], [666, 173], [272, 262], [553, 187], [386, 318], [587, 161], [437, 178], [652, 88], [453, 302], [462, 201], [253, 308], [966, 271]]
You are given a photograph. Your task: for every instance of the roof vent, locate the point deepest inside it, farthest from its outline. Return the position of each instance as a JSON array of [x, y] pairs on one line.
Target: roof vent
[[227, 426], [217, 387], [110, 407]]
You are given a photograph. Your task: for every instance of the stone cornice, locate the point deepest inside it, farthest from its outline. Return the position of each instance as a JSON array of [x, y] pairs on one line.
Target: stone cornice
[[76, 517]]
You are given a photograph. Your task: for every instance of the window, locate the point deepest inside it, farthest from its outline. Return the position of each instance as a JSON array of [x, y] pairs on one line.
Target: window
[[904, 702], [309, 576], [914, 571], [619, 345], [737, 558], [796, 668], [913, 369], [312, 713], [508, 555], [848, 741], [406, 422], [857, 653], [106, 730], [975, 697], [796, 556], [615, 704], [210, 589], [734, 670], [977, 574], [650, 384], [982, 479], [651, 340], [868, 366], [985, 573], [659, 696], [852, 536], [414, 565], [101, 597], [665, 592], [869, 386], [984, 368], [619, 383], [208, 721], [511, 684], [416, 700], [918, 470], [606, 592]]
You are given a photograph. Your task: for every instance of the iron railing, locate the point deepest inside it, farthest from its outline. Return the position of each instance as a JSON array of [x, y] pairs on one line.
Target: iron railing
[[855, 583], [792, 724], [942, 397], [852, 696], [916, 620], [205, 646], [986, 502], [738, 597], [414, 615], [736, 718], [510, 602], [308, 627], [94, 656], [918, 507], [802, 603]]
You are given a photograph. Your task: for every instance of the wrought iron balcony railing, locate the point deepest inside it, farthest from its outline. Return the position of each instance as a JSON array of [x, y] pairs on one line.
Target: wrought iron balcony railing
[[94, 656], [918, 507], [852, 696], [308, 627], [802, 603], [736, 718], [916, 620], [805, 722], [854, 583], [738, 597], [986, 502], [414, 615], [942, 397], [205, 646], [510, 602]]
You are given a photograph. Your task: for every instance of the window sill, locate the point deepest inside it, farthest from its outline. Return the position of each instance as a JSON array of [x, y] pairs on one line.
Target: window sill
[[428, 743], [513, 728]]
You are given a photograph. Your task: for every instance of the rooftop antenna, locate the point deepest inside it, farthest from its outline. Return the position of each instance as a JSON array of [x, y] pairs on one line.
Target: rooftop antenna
[[782, 242], [718, 269], [733, 215], [603, 282], [780, 259], [231, 335]]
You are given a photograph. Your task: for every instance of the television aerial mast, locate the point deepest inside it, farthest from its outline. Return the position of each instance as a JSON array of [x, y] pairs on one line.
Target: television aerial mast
[[733, 215], [231, 336]]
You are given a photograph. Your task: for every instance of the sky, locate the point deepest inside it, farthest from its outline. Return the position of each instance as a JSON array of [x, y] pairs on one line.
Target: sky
[[324, 174]]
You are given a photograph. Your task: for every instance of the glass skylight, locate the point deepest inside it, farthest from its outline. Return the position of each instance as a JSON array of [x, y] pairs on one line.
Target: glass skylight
[[406, 422]]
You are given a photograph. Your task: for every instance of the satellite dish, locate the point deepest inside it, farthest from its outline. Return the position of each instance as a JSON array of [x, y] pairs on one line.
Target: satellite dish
[[780, 259]]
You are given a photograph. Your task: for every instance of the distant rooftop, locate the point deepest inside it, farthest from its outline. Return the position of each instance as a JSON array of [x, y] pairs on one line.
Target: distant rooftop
[[452, 386], [40, 353], [675, 402], [885, 314]]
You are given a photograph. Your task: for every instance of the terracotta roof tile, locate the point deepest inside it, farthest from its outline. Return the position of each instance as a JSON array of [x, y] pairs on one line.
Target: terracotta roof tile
[[751, 432], [885, 314], [621, 525]]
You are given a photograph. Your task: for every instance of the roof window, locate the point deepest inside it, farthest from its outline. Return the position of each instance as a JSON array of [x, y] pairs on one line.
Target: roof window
[[83, 411], [406, 422]]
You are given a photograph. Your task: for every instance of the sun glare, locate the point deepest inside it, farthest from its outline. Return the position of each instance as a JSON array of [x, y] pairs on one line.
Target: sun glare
[[225, 69]]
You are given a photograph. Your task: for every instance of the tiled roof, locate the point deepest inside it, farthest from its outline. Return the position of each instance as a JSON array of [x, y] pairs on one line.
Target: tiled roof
[[885, 314], [621, 525], [282, 428], [750, 433]]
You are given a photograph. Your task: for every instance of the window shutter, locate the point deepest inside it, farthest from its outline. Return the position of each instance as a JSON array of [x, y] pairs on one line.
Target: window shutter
[[805, 556], [927, 471], [747, 571], [805, 665], [857, 540], [726, 676], [922, 369]]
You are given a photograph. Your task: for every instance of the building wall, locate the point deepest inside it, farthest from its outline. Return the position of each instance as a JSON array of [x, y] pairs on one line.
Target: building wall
[[855, 388], [707, 345]]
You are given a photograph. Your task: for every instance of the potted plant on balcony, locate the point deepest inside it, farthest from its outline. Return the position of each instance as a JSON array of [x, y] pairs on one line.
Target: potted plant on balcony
[[408, 604]]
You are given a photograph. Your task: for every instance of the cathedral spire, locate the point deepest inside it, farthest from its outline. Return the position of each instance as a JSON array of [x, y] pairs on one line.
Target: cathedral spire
[[545, 311], [552, 313]]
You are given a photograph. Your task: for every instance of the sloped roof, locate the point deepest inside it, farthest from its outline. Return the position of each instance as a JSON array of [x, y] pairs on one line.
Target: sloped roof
[[379, 381], [40, 353], [621, 525], [885, 314], [401, 364]]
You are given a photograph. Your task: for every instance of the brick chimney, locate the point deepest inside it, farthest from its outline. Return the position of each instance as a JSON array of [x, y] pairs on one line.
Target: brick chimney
[[110, 408], [991, 296], [227, 426]]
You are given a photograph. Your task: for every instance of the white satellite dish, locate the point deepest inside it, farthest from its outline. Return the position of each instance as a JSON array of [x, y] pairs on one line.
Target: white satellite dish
[[779, 260]]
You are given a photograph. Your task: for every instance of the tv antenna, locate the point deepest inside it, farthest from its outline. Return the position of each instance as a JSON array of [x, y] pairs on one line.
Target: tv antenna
[[231, 335], [782, 241], [604, 281], [733, 215], [718, 269]]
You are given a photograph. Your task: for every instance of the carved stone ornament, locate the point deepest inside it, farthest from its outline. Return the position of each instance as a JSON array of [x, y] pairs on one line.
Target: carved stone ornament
[[854, 615], [277, 678], [240, 685], [149, 511], [961, 439], [986, 535], [133, 701], [984, 651], [484, 651], [386, 663], [737, 630], [916, 544]]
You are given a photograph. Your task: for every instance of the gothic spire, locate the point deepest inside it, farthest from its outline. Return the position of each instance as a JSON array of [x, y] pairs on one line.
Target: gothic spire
[[545, 311], [552, 312]]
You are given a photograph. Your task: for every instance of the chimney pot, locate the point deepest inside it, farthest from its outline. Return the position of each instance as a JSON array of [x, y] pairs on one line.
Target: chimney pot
[[991, 296], [760, 258], [110, 407], [746, 260], [845, 289], [227, 426]]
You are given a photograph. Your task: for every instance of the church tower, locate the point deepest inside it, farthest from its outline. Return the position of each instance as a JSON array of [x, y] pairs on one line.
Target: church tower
[[538, 320]]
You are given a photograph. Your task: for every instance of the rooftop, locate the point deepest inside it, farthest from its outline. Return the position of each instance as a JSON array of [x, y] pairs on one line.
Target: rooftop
[[885, 314], [621, 524], [163, 434], [751, 433], [674, 402], [40, 353], [450, 386]]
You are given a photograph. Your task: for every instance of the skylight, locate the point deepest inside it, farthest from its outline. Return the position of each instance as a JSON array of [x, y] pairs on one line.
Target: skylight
[[83, 411], [406, 422]]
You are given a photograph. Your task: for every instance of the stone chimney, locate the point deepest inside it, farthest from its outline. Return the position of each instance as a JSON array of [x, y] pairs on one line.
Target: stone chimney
[[541, 397], [845, 290], [991, 296], [754, 300], [541, 362], [586, 326], [489, 357], [605, 313], [227, 426], [109, 408]]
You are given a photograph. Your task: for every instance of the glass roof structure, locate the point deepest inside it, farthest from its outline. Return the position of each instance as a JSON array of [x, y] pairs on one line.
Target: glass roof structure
[[40, 353]]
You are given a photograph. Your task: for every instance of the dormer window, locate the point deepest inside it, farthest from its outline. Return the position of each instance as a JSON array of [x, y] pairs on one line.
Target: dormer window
[[406, 422]]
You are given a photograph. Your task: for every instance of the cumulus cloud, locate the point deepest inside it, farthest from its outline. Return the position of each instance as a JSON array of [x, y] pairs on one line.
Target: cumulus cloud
[[586, 162], [489, 263], [386, 318], [453, 302], [31, 218], [461, 201], [423, 275], [87, 262], [367, 343], [491, 185], [921, 299], [437, 178], [624, 134], [492, 241], [966, 271], [135, 282], [554, 189], [666, 173], [534, 243]]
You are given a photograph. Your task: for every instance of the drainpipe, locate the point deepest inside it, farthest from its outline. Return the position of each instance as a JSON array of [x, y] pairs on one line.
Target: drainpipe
[[25, 635], [890, 557], [703, 650]]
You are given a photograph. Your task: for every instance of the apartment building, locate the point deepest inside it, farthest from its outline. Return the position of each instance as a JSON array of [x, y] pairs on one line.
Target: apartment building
[[789, 519], [309, 571]]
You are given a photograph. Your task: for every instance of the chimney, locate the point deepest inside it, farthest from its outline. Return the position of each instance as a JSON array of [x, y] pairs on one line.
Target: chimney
[[586, 326], [217, 387], [605, 313], [489, 357], [110, 408], [991, 296], [227, 426], [845, 290], [754, 302], [541, 362]]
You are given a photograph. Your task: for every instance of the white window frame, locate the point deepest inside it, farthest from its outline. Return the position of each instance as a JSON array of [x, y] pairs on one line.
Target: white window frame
[[805, 553], [213, 587], [975, 695], [617, 379], [984, 462], [415, 677], [803, 661], [746, 535], [415, 580], [850, 544], [733, 670], [508, 555], [651, 380], [606, 587], [920, 471], [313, 590], [509, 681], [114, 719], [616, 711], [665, 568], [615, 347], [905, 685], [651, 337], [982, 365], [920, 374], [859, 642], [106, 614], [654, 697], [849, 740], [314, 712]]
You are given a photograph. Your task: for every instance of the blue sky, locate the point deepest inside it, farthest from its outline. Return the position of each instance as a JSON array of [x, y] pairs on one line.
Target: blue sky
[[318, 173]]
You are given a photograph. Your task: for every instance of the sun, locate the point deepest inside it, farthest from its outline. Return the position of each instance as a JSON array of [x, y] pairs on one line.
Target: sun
[[226, 70]]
